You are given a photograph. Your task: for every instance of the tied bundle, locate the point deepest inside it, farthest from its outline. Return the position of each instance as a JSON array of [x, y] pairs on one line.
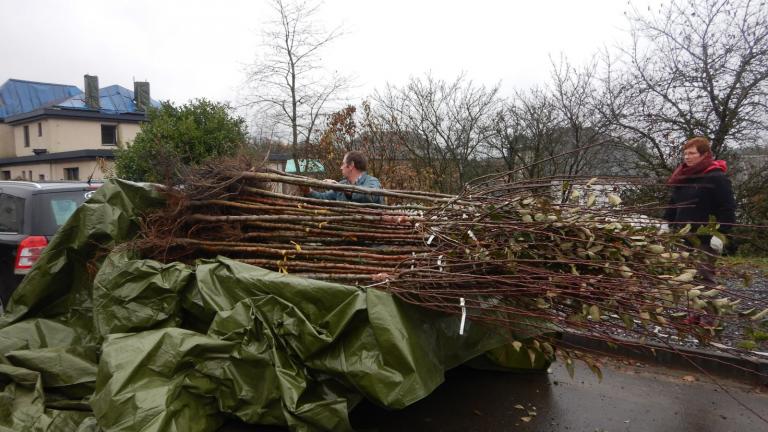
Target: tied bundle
[[551, 255]]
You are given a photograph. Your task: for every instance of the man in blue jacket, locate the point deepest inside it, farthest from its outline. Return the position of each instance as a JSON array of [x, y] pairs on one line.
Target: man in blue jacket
[[353, 169]]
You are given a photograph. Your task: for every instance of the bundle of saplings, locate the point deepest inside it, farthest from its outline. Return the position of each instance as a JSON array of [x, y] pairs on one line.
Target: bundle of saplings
[[552, 254]]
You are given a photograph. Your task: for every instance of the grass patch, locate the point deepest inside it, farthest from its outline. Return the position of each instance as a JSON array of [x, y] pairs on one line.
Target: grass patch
[[745, 261], [747, 345]]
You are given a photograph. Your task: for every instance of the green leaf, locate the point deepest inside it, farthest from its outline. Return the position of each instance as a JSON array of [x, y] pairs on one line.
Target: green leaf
[[762, 314], [625, 271], [747, 312], [591, 199], [574, 271], [684, 277], [629, 323], [547, 348], [532, 356], [594, 313], [614, 199], [596, 370], [569, 367]]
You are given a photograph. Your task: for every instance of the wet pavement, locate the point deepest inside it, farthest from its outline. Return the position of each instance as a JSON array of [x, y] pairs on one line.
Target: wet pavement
[[631, 397]]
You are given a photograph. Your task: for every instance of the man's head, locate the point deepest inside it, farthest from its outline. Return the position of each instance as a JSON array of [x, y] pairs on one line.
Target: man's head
[[695, 149], [353, 165]]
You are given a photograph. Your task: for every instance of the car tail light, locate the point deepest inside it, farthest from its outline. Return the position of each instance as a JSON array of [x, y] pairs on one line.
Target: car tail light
[[28, 252]]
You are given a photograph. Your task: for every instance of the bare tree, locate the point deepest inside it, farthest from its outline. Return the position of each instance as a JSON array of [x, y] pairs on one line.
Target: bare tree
[[559, 124], [526, 131], [696, 67], [288, 84], [583, 128], [443, 125]]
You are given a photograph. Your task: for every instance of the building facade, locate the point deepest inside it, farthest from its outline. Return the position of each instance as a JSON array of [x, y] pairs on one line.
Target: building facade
[[51, 132]]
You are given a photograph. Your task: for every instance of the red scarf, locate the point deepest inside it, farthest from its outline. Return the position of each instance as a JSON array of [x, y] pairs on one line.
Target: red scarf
[[707, 164]]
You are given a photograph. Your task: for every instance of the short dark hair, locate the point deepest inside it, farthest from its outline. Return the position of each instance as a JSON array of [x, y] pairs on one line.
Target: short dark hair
[[702, 144], [358, 159]]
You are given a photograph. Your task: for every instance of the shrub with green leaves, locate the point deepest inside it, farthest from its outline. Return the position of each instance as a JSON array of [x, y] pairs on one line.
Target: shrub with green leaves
[[178, 137]]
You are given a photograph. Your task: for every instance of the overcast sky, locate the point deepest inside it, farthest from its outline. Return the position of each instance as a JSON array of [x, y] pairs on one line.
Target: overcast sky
[[188, 49]]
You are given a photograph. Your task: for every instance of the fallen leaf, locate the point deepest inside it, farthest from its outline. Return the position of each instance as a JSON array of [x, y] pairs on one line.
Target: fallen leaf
[[526, 419], [520, 407], [689, 378]]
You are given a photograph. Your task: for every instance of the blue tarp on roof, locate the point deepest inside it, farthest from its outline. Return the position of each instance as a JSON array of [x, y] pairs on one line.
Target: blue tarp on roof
[[112, 99], [19, 96]]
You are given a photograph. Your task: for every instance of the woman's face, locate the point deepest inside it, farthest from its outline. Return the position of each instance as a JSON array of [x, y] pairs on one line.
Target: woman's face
[[691, 156]]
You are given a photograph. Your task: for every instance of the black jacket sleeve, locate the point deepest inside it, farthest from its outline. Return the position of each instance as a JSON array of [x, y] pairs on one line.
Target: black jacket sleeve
[[670, 212], [724, 202]]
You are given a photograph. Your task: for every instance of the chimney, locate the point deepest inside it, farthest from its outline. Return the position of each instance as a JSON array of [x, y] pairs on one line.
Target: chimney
[[92, 91], [141, 95]]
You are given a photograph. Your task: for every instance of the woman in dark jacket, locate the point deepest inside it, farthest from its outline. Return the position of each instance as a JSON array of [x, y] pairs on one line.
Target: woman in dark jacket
[[700, 190]]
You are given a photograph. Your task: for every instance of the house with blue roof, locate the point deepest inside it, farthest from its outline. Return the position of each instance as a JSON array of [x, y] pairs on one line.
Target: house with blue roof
[[59, 132]]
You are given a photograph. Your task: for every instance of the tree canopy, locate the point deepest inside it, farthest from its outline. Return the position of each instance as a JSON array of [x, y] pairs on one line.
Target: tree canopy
[[175, 137]]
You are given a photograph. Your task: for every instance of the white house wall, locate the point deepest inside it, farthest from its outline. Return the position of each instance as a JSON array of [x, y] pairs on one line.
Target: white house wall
[[54, 170], [61, 135], [6, 141]]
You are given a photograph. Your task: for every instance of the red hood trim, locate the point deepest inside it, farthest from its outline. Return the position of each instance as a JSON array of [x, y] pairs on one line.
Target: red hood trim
[[717, 165]]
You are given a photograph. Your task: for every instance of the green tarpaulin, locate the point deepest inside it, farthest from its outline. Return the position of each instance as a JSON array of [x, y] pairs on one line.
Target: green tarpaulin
[[97, 339]]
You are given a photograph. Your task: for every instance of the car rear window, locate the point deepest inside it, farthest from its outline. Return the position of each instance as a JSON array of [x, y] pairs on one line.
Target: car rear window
[[52, 209], [11, 213]]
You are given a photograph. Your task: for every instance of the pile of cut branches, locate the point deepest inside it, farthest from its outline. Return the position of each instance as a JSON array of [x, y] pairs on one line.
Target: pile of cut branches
[[551, 253], [565, 254], [232, 211]]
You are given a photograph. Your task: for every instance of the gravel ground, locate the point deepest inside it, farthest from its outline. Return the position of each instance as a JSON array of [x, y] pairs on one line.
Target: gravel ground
[[747, 282], [751, 284]]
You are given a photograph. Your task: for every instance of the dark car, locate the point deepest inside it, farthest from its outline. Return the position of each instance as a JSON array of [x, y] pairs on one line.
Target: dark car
[[30, 214]]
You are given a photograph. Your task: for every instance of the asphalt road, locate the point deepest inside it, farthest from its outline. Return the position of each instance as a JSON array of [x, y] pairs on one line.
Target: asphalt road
[[629, 398]]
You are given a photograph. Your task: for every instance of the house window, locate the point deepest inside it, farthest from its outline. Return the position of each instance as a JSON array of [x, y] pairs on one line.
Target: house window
[[41, 177], [26, 135], [5, 175], [72, 173], [39, 129], [108, 135], [30, 175]]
